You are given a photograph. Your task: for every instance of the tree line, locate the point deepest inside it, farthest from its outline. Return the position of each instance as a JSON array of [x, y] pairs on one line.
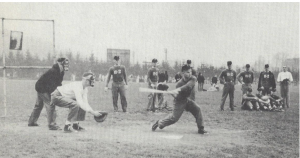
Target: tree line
[[79, 65]]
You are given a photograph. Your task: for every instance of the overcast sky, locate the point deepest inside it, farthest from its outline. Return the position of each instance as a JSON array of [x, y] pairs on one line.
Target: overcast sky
[[203, 32]]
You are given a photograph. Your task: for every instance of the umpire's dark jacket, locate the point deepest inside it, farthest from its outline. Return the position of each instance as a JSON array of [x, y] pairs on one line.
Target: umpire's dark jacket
[[49, 81]]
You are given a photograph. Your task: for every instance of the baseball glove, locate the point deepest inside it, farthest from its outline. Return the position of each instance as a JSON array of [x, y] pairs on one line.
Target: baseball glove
[[102, 117], [162, 87]]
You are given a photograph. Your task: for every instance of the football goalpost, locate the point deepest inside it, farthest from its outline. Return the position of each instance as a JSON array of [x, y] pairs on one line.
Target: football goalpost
[[17, 45]]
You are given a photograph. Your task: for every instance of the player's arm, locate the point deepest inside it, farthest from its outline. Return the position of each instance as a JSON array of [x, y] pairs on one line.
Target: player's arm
[[108, 76], [249, 98], [148, 77], [221, 77], [189, 85], [239, 77], [125, 76], [291, 77], [260, 80]]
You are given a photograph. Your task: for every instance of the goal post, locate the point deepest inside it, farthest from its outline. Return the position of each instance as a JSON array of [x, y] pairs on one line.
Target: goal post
[[4, 67]]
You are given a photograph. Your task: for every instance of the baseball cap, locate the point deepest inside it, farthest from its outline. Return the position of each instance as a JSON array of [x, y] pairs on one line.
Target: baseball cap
[[267, 66], [62, 59], [247, 65], [229, 62], [188, 61], [154, 60], [116, 58]]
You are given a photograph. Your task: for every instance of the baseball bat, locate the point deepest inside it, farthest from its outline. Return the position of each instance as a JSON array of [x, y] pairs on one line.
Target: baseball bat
[[147, 90]]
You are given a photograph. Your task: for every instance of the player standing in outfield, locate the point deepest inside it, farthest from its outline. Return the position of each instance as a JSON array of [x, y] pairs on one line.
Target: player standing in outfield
[[46, 84], [189, 62], [162, 79], [119, 84], [266, 83], [228, 78], [247, 79], [200, 79], [152, 79], [181, 102], [74, 97], [284, 78]]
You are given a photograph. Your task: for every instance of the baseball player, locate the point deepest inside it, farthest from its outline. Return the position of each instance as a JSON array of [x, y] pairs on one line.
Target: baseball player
[[74, 97], [182, 102], [152, 83], [119, 84], [250, 101], [178, 77], [228, 78], [200, 79], [285, 78], [189, 62], [46, 84], [247, 77], [162, 79], [266, 83]]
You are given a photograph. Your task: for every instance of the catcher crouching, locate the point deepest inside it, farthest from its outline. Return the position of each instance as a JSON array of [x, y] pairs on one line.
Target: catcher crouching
[[74, 97]]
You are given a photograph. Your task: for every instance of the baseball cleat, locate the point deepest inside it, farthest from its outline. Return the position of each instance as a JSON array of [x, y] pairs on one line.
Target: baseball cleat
[[54, 127], [77, 127], [155, 126], [33, 124], [69, 129]]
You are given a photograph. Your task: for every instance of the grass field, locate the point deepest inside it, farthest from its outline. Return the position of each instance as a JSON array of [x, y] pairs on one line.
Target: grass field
[[231, 134]]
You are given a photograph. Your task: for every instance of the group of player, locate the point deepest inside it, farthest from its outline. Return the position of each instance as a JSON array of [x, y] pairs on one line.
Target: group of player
[[51, 93]]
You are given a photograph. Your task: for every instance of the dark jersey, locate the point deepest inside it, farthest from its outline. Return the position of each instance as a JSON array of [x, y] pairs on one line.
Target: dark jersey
[[266, 79], [201, 78], [228, 75], [162, 77], [186, 88], [118, 72], [247, 76], [153, 74], [214, 80]]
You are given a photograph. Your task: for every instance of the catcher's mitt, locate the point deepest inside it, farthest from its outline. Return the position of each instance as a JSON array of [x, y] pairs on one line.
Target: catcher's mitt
[[162, 87], [102, 117]]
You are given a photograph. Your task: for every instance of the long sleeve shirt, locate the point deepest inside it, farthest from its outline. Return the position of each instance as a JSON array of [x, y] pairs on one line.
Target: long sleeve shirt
[[284, 75], [76, 92], [118, 72], [247, 77], [228, 76]]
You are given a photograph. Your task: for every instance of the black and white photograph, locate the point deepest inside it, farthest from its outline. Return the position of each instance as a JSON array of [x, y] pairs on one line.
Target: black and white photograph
[[149, 79]]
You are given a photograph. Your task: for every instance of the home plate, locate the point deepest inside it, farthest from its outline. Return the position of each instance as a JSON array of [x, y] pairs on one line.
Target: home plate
[[173, 136]]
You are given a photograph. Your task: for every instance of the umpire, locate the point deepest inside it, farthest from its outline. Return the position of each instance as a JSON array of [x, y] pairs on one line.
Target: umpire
[[228, 78], [46, 84]]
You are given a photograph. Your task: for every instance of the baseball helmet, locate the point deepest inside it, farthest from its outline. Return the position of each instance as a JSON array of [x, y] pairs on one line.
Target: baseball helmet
[[102, 117]]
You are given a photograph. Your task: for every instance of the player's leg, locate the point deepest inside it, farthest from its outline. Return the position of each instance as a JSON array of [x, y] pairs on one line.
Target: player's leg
[[195, 109], [51, 113], [115, 95], [58, 100], [123, 97], [249, 105], [150, 98], [192, 95], [179, 107], [287, 96], [231, 97], [36, 111], [80, 117], [224, 96]]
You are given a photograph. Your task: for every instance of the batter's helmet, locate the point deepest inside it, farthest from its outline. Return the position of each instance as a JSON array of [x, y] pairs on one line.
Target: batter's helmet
[[102, 117]]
